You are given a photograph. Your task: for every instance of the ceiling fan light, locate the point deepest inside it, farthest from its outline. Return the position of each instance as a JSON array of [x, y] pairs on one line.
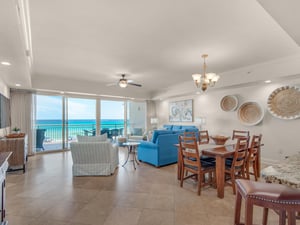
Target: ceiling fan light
[[123, 83]]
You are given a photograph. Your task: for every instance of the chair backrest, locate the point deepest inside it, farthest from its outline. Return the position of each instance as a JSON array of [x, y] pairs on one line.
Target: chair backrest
[[240, 155], [189, 134], [189, 153], [203, 137], [240, 133], [254, 147]]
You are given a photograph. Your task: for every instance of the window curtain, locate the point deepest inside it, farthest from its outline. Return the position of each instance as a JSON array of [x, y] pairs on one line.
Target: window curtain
[[22, 105]]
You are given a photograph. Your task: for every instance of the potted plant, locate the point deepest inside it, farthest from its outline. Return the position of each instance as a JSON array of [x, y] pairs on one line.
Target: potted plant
[[16, 130]]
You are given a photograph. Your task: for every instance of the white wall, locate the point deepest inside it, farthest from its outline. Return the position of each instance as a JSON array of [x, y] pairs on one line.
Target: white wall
[[280, 137], [5, 91]]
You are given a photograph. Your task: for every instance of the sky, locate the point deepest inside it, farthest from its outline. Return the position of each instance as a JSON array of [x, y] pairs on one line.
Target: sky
[[50, 108]]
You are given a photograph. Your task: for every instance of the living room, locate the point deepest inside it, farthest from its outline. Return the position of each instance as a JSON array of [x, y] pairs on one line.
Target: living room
[[263, 48]]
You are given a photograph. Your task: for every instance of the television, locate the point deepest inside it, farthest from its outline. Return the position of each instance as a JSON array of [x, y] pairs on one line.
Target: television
[[4, 111]]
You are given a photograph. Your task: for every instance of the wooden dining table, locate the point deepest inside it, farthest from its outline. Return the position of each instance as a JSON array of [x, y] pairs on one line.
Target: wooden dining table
[[220, 152]]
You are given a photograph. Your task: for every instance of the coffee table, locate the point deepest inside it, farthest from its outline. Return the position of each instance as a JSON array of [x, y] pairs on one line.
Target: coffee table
[[132, 149]]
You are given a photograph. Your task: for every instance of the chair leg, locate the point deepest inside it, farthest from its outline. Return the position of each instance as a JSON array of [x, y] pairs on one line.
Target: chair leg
[[181, 176], [291, 218], [232, 177], [255, 172], [282, 217], [248, 171], [265, 216], [248, 212], [237, 212], [200, 177]]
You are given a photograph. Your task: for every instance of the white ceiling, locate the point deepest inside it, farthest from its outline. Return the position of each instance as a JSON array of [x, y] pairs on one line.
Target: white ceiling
[[81, 46]]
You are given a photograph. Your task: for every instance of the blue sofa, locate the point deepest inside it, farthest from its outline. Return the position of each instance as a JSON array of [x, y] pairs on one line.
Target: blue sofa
[[161, 149]]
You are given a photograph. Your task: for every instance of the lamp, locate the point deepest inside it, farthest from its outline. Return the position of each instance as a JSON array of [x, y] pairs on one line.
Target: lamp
[[154, 121], [207, 79], [200, 121], [123, 83]]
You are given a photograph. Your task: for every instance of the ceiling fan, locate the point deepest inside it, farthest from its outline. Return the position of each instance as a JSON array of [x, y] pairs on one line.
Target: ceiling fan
[[123, 82]]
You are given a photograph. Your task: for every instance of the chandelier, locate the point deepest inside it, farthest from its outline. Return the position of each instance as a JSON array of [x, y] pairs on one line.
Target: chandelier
[[206, 79]]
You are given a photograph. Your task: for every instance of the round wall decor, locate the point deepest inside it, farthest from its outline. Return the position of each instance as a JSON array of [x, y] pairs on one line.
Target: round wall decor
[[250, 113], [284, 102], [229, 103]]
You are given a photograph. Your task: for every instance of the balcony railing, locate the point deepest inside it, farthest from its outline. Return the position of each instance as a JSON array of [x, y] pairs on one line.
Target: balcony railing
[[52, 137]]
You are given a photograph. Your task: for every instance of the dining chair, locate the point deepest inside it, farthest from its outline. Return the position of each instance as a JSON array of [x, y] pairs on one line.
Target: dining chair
[[252, 156], [236, 169], [192, 166], [189, 134], [240, 133], [203, 137]]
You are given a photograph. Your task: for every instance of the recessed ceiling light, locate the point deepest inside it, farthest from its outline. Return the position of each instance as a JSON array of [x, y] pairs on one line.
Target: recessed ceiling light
[[18, 85], [5, 63], [267, 81]]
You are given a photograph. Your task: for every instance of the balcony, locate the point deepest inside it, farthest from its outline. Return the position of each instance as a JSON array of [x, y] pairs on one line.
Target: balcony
[[49, 137]]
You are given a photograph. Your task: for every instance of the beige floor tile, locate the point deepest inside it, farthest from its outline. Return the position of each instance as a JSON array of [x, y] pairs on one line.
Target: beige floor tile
[[90, 214], [191, 218], [156, 217], [123, 216], [160, 202], [48, 194], [132, 200]]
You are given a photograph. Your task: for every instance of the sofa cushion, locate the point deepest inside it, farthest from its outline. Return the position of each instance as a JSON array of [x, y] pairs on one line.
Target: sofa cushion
[[188, 127], [168, 127], [176, 127], [97, 138], [156, 133]]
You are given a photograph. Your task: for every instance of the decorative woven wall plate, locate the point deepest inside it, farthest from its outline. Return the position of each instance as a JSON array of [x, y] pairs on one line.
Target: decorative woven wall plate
[[284, 102], [250, 113], [229, 103]]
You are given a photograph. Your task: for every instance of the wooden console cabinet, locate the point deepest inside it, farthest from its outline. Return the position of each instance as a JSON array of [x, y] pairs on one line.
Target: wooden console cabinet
[[18, 147]]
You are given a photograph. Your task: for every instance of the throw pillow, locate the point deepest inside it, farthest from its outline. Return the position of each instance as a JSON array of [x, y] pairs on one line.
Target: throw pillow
[[98, 138]]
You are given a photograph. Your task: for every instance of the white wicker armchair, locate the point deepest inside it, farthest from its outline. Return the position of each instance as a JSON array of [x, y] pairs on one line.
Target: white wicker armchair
[[94, 158]]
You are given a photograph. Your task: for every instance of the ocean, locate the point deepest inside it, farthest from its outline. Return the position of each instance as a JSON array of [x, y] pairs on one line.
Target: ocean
[[75, 127]]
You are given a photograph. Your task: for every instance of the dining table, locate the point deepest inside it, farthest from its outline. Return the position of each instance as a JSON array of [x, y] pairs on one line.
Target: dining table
[[220, 153]]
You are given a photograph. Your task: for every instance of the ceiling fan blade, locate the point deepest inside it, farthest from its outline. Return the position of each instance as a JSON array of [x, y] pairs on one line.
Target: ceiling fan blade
[[111, 84], [138, 85]]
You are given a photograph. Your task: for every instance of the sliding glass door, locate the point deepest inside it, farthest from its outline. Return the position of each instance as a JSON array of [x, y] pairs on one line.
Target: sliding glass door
[[81, 118], [112, 118], [59, 119], [49, 123]]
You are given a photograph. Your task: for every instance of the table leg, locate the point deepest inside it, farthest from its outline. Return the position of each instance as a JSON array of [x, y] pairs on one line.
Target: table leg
[[128, 148], [220, 176], [135, 156]]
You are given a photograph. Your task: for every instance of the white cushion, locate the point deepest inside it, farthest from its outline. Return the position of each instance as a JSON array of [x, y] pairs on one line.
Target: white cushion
[[97, 138]]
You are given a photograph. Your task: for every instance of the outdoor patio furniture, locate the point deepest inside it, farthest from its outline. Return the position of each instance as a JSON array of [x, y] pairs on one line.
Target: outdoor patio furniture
[[90, 132], [40, 136]]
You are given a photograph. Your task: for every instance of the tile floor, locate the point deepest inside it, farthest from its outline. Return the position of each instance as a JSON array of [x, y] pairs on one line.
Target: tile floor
[[48, 194]]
